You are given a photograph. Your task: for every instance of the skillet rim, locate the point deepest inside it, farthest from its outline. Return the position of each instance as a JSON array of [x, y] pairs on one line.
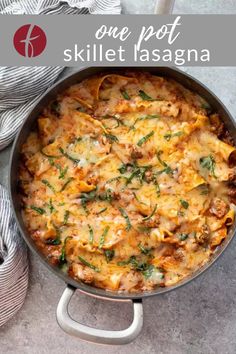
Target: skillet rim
[[180, 76]]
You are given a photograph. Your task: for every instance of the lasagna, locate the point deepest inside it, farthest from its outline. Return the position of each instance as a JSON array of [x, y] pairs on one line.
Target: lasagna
[[128, 182]]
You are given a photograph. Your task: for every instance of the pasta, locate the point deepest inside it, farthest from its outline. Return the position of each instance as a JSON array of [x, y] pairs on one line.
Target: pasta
[[126, 184]]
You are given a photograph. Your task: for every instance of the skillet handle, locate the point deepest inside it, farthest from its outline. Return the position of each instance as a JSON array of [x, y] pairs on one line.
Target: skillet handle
[[164, 7], [95, 335]]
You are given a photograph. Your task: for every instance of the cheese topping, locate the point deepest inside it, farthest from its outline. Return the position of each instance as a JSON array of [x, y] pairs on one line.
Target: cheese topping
[[126, 183]]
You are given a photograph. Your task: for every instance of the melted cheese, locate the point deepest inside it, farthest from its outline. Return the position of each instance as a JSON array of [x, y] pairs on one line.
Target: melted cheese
[[119, 183]]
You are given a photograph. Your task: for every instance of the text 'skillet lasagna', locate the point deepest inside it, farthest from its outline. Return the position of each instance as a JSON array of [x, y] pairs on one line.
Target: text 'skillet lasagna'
[[128, 182]]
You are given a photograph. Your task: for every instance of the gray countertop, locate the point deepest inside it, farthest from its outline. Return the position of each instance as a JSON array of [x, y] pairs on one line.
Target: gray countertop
[[197, 318]]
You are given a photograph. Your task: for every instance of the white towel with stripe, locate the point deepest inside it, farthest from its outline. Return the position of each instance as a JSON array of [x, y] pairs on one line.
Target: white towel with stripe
[[20, 88]]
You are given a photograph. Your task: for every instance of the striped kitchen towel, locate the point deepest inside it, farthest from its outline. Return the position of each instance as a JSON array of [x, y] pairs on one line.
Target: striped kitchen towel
[[20, 88]]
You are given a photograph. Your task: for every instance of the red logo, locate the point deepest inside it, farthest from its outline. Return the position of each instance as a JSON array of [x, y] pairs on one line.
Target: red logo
[[30, 41]]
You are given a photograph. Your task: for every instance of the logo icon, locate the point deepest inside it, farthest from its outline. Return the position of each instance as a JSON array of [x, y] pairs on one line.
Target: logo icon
[[30, 41]]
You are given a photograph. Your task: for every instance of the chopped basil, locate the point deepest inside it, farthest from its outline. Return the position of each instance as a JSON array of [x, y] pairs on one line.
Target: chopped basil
[[63, 172], [107, 195], [145, 138], [102, 239], [55, 108], [118, 121], [70, 179], [204, 189], [68, 156], [49, 156], [147, 272], [87, 197], [62, 258], [54, 242], [109, 254], [167, 169], [145, 268], [138, 200], [125, 95], [101, 211], [51, 207], [123, 263], [91, 235], [183, 236], [126, 217], [48, 184], [66, 217], [137, 171], [158, 190], [144, 250], [184, 203], [168, 136], [112, 138], [38, 210], [144, 96], [147, 117], [87, 264], [152, 213], [113, 179], [58, 167], [209, 163], [206, 106], [145, 229]]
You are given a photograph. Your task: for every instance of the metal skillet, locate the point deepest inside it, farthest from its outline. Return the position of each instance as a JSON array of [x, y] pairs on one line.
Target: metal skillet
[[68, 324]]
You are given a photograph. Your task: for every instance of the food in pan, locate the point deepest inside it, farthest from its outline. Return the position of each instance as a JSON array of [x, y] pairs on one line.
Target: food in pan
[[128, 182]]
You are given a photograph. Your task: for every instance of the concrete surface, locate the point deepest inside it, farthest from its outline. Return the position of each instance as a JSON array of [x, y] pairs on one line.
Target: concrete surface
[[199, 318]]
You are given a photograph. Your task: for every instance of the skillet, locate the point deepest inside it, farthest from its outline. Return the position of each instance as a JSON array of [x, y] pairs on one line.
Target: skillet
[[68, 324]]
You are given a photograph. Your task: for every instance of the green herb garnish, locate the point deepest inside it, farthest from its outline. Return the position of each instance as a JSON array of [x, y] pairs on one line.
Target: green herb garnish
[[38, 210], [147, 117], [62, 258], [125, 95], [112, 138], [167, 169], [54, 242], [138, 200], [66, 217], [63, 172], [55, 108], [168, 136], [91, 235], [49, 156], [113, 179], [107, 195], [102, 239], [145, 138], [152, 213], [183, 236], [144, 96], [109, 254], [70, 179], [126, 217], [145, 268], [86, 263], [51, 207], [145, 229], [48, 184], [87, 197], [184, 203], [68, 156], [101, 211], [144, 250], [206, 106], [204, 189], [118, 121], [209, 163]]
